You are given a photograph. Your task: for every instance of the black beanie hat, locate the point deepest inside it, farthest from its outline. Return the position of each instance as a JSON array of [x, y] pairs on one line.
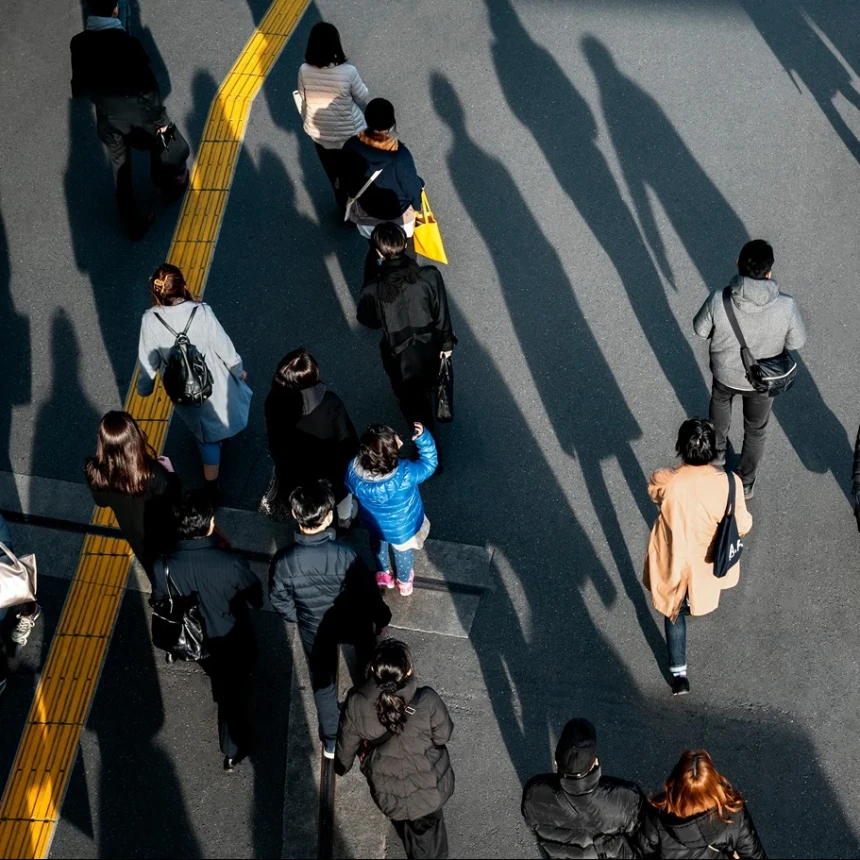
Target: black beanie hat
[[379, 115], [576, 751]]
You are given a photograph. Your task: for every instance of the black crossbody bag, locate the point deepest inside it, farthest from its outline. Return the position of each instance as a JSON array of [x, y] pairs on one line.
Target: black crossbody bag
[[771, 376], [177, 625]]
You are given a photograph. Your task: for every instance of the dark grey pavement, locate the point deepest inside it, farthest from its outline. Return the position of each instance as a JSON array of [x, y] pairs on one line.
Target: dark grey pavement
[[595, 167]]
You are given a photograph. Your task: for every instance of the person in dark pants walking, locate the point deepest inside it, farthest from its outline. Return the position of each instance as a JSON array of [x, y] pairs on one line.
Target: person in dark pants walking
[[324, 586], [578, 812], [770, 321], [402, 729], [409, 303], [111, 68], [225, 588]]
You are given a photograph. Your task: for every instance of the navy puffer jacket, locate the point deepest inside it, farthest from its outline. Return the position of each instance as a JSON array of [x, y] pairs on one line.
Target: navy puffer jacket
[[390, 506], [410, 775]]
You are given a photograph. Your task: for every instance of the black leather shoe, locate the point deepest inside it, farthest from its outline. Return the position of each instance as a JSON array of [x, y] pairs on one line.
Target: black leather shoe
[[680, 685], [229, 763]]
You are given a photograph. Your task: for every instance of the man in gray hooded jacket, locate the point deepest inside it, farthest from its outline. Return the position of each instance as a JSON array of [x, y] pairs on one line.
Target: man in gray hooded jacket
[[770, 322]]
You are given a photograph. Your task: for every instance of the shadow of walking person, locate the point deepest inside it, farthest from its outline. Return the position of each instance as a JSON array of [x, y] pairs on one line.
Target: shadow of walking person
[[556, 341], [565, 130], [653, 156], [786, 29]]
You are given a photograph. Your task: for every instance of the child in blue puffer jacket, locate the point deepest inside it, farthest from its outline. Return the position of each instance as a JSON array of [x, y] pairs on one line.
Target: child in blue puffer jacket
[[390, 505]]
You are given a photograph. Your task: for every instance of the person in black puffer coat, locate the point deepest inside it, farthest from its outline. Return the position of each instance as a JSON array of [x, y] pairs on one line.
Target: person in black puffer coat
[[399, 731], [577, 812], [409, 303], [698, 814], [325, 587], [310, 433]]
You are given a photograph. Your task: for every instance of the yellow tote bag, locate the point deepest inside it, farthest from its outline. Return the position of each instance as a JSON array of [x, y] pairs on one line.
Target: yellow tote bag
[[428, 239]]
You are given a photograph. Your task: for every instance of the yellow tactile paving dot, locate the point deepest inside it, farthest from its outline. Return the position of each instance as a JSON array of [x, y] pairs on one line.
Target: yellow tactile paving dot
[[46, 754]]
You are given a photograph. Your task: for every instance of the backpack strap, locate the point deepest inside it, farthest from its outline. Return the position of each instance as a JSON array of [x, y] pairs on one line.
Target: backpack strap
[[173, 330]]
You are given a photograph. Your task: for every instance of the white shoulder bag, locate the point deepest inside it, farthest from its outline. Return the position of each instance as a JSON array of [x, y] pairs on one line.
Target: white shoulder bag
[[17, 579]]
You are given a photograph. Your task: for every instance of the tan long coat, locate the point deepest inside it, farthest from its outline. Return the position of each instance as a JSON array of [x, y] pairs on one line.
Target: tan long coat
[[692, 501]]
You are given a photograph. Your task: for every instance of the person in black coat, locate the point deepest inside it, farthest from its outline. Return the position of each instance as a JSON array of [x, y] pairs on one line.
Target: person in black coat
[[225, 588], [403, 730], [310, 432], [699, 814], [409, 303], [577, 812], [325, 587], [140, 488], [111, 68]]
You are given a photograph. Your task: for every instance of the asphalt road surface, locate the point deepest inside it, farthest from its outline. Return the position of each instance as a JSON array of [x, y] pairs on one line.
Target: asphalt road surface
[[595, 167]]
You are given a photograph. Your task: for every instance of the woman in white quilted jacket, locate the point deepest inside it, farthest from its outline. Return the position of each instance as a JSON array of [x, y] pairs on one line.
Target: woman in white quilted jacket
[[333, 98]]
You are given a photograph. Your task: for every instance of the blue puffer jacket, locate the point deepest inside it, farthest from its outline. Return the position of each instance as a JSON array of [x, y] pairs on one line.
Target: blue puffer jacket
[[390, 507]]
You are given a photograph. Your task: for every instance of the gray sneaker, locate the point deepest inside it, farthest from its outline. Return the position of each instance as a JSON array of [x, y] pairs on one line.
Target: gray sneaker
[[24, 627], [749, 489]]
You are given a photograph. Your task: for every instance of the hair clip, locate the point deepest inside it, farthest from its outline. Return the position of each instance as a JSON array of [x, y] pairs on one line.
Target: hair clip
[[159, 282]]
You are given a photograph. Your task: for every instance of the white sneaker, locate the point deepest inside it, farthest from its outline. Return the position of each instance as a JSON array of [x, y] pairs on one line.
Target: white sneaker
[[24, 627]]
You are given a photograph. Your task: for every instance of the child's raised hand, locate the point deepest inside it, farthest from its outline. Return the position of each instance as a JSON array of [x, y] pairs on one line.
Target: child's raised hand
[[419, 429]]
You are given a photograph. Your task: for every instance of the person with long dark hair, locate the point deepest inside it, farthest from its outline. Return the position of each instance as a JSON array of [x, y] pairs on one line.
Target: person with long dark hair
[[409, 303], [127, 476], [400, 730], [700, 814], [310, 432], [333, 99], [389, 500], [225, 412], [679, 567], [395, 194]]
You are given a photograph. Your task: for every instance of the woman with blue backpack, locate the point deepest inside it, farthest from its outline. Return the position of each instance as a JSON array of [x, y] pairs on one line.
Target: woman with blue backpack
[[389, 501], [182, 340]]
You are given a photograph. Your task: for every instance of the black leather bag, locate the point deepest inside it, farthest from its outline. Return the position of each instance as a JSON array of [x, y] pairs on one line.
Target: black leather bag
[[177, 626], [186, 377], [728, 545], [445, 391], [171, 151], [771, 376]]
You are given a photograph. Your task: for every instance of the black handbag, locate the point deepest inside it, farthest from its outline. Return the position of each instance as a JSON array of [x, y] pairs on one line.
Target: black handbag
[[177, 626], [728, 545], [445, 391], [769, 376], [171, 153]]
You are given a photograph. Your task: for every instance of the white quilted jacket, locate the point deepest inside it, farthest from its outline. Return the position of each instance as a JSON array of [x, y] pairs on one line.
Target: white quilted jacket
[[333, 100]]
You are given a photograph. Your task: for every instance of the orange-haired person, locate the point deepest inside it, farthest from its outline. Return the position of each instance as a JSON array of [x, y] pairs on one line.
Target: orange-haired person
[[699, 814]]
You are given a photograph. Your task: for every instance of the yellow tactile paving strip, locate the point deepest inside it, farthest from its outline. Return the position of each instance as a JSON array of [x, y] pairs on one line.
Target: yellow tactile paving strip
[[37, 783]]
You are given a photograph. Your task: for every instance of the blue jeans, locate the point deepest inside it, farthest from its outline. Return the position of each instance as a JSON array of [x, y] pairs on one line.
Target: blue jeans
[[676, 640], [402, 559]]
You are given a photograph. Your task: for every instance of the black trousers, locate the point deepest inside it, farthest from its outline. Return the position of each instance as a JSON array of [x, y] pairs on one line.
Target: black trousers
[[232, 678], [424, 837], [331, 160], [416, 401]]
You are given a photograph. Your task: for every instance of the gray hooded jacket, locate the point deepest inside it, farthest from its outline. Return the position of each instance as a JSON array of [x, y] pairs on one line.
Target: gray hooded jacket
[[769, 319]]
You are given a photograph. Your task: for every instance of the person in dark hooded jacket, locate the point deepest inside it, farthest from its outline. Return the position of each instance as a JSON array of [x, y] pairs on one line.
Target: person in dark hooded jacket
[[310, 433], [699, 814], [577, 812], [399, 731], [409, 303]]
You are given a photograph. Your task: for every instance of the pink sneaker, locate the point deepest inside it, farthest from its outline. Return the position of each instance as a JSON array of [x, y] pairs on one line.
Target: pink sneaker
[[384, 579], [405, 588]]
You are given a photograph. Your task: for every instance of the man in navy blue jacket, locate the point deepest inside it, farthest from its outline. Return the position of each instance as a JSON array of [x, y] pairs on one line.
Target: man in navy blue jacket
[[324, 586]]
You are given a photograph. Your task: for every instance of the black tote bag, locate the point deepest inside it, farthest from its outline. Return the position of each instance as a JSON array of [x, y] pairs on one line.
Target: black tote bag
[[445, 391], [177, 626], [728, 545]]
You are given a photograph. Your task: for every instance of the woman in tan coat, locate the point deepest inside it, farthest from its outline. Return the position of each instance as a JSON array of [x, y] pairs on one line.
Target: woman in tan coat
[[679, 571]]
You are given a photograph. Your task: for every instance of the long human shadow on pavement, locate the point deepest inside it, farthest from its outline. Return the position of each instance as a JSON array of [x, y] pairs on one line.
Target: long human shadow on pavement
[[802, 53], [15, 355], [565, 130], [654, 156], [587, 409]]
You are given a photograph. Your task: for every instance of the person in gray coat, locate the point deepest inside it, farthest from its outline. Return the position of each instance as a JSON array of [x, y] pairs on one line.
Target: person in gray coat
[[225, 412], [399, 731], [770, 322]]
